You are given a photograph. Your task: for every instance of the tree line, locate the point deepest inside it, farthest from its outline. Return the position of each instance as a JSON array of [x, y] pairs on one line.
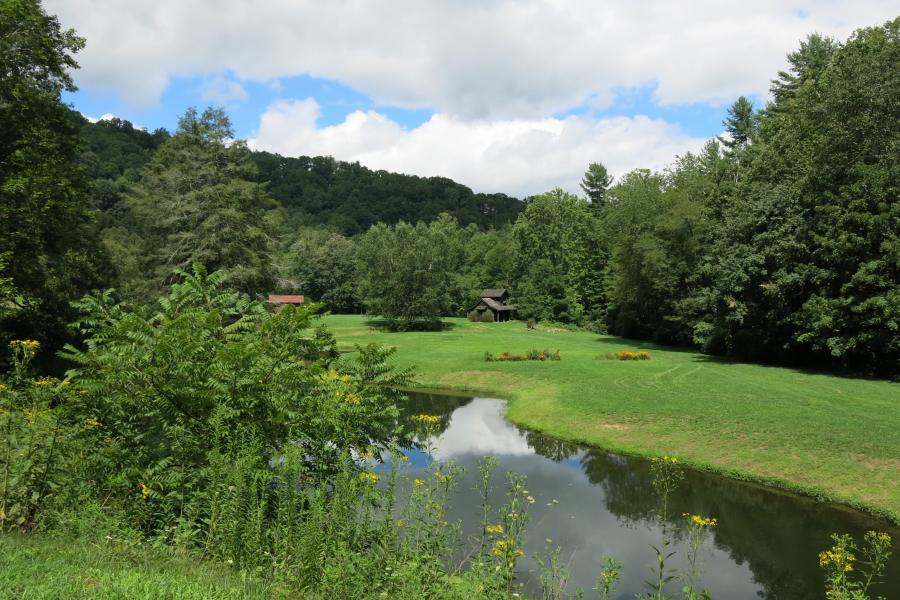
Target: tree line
[[779, 241]]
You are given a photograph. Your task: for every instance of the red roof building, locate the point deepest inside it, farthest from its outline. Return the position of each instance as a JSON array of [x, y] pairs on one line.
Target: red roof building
[[285, 299]]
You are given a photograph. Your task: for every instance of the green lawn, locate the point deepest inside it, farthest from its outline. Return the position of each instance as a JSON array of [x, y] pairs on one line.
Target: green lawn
[[835, 437]]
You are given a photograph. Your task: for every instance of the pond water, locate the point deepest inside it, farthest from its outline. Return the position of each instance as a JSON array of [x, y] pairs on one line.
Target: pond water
[[765, 546]]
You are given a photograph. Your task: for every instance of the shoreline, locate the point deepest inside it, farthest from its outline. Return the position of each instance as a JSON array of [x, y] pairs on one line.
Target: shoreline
[[775, 484]]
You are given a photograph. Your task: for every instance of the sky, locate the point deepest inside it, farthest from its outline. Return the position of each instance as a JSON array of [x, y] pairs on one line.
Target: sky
[[512, 96]]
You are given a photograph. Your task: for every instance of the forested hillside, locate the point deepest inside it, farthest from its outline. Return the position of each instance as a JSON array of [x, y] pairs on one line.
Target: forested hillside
[[314, 191]]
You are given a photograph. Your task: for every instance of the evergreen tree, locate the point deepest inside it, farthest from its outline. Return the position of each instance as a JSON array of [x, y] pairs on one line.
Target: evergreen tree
[[595, 183], [196, 202], [740, 125]]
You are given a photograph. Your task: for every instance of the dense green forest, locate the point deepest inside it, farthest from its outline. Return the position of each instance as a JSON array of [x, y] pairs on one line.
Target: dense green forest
[[777, 242]]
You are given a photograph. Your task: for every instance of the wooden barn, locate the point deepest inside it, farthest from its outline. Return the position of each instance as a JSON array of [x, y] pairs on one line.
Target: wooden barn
[[279, 300], [492, 307]]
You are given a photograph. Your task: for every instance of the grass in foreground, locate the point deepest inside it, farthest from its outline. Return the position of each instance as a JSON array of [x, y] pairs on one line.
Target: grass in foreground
[[834, 437], [41, 567]]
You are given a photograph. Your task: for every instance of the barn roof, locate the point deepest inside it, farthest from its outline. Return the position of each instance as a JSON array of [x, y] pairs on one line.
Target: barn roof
[[496, 305], [286, 299], [493, 293]]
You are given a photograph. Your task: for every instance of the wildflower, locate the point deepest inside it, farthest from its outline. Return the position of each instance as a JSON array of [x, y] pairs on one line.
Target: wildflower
[[423, 418], [145, 491], [837, 557], [419, 482], [88, 423], [28, 345], [370, 477], [500, 547], [44, 381], [494, 528], [530, 499], [404, 457], [702, 521]]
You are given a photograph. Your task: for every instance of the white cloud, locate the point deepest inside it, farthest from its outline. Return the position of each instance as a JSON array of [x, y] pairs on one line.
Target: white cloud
[[515, 156], [479, 428], [222, 90], [490, 58], [110, 117]]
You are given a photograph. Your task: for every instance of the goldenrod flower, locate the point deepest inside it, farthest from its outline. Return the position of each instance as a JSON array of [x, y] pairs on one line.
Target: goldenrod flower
[[702, 521], [370, 477], [419, 482], [426, 418], [837, 557], [145, 491], [494, 528], [30, 345]]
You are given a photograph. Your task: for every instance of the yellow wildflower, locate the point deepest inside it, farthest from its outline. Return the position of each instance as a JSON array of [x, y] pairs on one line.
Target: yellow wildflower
[[419, 482], [839, 558], [88, 423], [145, 491], [30, 345], [702, 521], [494, 528], [370, 477], [426, 418]]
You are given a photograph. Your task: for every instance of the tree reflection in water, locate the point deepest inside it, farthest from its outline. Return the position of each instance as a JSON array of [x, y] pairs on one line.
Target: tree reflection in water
[[776, 535]]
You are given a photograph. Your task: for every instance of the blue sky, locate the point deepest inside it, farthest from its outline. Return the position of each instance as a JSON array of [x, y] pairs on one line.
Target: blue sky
[[503, 96], [338, 100]]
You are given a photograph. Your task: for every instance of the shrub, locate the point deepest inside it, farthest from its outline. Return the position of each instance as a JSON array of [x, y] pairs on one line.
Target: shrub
[[38, 437], [629, 355], [213, 377], [533, 354]]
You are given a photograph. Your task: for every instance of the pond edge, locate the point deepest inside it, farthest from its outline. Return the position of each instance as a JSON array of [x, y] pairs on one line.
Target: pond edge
[[775, 483]]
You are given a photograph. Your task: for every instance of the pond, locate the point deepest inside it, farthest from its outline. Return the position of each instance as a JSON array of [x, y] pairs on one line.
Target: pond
[[594, 504]]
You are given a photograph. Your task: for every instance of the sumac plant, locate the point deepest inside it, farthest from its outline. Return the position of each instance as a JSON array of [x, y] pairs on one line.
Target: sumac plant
[[209, 373]]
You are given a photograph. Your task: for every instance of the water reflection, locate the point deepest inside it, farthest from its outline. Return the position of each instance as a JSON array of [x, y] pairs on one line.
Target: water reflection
[[765, 546]]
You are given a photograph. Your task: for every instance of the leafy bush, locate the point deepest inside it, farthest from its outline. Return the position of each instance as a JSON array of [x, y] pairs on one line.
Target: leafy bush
[[533, 354], [213, 375], [628, 355], [37, 439]]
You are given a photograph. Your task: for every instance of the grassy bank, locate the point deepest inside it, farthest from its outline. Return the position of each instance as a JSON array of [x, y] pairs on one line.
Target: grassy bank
[[834, 437]]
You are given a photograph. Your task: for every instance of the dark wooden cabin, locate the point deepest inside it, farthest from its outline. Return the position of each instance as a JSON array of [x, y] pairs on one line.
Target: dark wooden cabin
[[493, 306]]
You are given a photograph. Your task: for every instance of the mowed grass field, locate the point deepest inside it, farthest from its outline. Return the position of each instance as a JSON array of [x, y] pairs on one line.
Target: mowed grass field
[[830, 436]]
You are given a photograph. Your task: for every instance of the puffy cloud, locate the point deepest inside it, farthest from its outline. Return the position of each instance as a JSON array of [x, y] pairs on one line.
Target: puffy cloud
[[516, 156], [221, 90], [497, 58]]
